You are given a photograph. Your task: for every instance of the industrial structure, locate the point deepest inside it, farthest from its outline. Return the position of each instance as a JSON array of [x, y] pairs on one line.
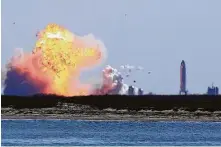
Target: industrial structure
[[213, 90], [140, 91], [183, 78], [131, 90]]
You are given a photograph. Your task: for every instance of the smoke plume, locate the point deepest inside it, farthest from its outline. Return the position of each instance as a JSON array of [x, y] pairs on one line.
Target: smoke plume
[[55, 64], [113, 83]]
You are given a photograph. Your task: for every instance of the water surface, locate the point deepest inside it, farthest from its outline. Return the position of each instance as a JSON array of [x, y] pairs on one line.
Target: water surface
[[72, 132]]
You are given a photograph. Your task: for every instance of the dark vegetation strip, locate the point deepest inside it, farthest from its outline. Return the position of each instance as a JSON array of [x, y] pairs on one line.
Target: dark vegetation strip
[[151, 102]]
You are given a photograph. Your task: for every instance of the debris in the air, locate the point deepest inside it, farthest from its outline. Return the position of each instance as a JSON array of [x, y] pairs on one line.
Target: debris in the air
[[37, 34]]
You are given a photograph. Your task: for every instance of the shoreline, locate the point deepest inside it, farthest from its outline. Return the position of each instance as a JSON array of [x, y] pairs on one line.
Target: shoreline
[[136, 118], [72, 111]]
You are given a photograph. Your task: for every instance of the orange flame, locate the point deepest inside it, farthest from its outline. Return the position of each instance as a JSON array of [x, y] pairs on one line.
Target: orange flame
[[57, 59]]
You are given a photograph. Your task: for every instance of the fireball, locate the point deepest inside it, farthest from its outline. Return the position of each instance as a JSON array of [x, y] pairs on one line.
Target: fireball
[[57, 60]]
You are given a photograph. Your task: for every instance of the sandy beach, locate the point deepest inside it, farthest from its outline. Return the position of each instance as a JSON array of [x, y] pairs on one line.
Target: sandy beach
[[87, 113]]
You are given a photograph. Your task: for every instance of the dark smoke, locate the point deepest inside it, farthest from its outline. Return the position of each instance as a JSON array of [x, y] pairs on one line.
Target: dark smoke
[[18, 84]]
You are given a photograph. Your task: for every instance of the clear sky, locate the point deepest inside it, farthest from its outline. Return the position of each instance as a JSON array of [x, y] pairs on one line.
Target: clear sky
[[155, 34]]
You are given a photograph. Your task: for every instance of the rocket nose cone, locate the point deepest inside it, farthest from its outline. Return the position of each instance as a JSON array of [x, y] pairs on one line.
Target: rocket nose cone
[[183, 62]]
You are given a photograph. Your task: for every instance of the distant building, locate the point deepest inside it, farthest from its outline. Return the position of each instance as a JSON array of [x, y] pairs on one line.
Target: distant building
[[151, 93], [183, 78], [140, 91], [131, 90], [213, 90]]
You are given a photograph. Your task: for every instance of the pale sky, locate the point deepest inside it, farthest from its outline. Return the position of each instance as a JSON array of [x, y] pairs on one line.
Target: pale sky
[[155, 34]]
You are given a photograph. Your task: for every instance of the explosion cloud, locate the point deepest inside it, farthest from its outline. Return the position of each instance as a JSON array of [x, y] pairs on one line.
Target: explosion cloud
[[55, 64]]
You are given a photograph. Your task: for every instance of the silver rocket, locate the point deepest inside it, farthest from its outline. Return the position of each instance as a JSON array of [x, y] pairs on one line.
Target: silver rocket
[[183, 78]]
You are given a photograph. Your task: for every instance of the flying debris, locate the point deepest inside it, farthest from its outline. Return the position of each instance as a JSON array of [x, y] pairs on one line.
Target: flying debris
[[149, 72], [37, 34], [128, 69], [13, 22]]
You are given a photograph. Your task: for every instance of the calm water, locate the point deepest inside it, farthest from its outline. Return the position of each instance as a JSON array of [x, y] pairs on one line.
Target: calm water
[[69, 132]]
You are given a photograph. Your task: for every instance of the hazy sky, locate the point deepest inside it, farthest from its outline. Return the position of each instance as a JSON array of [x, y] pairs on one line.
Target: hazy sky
[[156, 34]]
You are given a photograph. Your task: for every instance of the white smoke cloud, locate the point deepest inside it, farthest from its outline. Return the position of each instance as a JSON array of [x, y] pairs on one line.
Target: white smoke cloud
[[113, 83]]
